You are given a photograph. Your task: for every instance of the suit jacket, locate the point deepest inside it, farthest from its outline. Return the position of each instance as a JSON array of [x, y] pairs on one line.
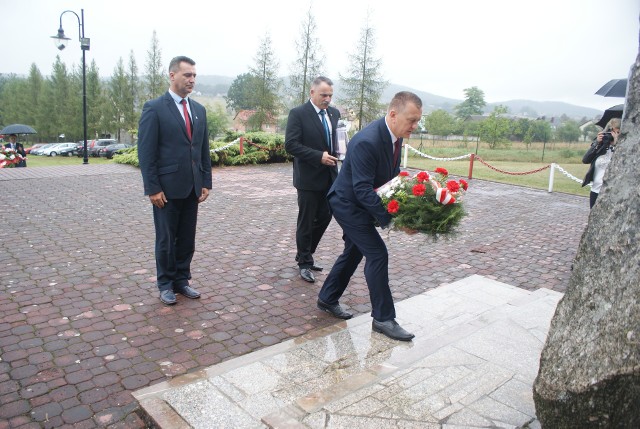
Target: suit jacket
[[367, 166], [305, 139], [20, 150], [169, 161], [595, 150]]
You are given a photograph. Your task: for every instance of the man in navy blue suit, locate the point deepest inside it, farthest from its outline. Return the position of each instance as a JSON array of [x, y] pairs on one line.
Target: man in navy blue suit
[[173, 151], [311, 139], [372, 160], [18, 147]]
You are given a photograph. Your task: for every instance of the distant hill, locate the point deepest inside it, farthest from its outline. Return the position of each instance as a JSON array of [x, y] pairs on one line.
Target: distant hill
[[549, 108], [212, 85]]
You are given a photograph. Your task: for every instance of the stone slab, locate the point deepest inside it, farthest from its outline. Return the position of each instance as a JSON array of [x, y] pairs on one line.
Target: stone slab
[[472, 364]]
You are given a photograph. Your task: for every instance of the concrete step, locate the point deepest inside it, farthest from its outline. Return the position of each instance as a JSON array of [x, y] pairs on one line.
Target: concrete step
[[472, 364]]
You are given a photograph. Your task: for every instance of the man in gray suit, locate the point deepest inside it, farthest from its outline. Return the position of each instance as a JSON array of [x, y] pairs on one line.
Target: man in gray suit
[[173, 151]]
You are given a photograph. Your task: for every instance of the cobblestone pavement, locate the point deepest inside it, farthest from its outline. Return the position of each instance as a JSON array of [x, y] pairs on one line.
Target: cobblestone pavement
[[81, 326]]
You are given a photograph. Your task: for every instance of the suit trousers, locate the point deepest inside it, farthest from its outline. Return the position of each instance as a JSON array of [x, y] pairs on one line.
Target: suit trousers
[[361, 240], [314, 216], [175, 226]]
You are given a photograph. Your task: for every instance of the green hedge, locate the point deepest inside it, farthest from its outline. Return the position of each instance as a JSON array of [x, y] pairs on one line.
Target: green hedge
[[269, 149]]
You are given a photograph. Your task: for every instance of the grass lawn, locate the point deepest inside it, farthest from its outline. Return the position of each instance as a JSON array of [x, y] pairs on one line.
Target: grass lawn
[[515, 159], [34, 161]]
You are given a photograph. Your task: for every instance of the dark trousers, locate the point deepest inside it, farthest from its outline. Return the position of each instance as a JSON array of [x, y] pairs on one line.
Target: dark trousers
[[175, 241], [593, 196], [314, 216], [359, 241]]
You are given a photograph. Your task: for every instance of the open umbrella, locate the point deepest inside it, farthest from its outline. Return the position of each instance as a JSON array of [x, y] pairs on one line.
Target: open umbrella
[[17, 129], [610, 113], [613, 88]]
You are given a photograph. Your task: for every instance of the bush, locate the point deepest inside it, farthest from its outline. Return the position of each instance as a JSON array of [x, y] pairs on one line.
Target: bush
[[259, 148], [266, 148], [128, 156]]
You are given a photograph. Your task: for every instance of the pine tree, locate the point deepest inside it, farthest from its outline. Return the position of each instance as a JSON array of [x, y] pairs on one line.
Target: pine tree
[[363, 83], [156, 82], [308, 65]]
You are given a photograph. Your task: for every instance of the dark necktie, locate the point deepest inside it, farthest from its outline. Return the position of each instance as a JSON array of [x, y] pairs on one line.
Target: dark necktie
[[187, 119], [323, 113], [396, 152]]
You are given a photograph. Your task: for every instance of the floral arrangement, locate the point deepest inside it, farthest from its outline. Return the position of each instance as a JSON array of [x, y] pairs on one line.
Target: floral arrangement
[[427, 203], [9, 158]]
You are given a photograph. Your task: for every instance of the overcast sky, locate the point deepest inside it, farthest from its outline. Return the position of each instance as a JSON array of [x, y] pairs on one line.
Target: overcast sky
[[560, 50]]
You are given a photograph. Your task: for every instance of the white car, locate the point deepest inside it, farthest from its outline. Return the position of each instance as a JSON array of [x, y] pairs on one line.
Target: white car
[[59, 149], [39, 151]]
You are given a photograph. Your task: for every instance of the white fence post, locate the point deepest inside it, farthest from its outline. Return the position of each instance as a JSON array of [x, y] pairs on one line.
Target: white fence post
[[406, 155], [551, 173]]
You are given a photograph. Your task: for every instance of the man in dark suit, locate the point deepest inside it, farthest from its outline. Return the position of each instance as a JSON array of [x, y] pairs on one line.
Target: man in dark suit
[[372, 160], [173, 150], [18, 147], [311, 139]]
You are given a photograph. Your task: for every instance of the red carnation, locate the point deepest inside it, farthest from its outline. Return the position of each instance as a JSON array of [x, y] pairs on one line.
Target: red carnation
[[442, 171], [422, 176], [403, 174], [464, 184], [393, 207], [419, 190], [453, 186]]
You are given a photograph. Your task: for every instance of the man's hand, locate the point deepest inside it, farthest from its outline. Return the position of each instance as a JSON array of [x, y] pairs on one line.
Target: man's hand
[[328, 159], [204, 195], [158, 199]]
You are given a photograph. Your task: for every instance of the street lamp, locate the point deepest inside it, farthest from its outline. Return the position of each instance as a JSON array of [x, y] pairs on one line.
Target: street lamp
[[61, 42]]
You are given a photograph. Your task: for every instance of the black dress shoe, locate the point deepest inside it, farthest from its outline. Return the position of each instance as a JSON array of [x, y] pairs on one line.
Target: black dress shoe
[[315, 267], [391, 329], [307, 275], [167, 297], [334, 310], [187, 291]]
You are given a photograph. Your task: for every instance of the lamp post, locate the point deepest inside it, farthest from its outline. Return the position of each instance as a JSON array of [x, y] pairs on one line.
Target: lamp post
[[61, 42]]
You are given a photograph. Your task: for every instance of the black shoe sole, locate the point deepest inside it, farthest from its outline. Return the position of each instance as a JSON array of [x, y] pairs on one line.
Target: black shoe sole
[[326, 310], [189, 296], [310, 280], [167, 303], [380, 331]]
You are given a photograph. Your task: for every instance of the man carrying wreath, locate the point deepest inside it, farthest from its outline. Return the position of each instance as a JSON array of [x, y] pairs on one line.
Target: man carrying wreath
[[372, 160]]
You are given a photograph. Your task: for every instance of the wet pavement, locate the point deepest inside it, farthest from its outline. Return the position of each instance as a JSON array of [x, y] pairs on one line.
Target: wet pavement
[[472, 365], [81, 326]]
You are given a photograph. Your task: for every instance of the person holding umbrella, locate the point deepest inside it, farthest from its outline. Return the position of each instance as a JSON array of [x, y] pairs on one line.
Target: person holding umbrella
[[599, 156], [18, 147]]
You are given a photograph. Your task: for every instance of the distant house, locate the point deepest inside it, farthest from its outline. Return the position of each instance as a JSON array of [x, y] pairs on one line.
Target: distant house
[[242, 118]]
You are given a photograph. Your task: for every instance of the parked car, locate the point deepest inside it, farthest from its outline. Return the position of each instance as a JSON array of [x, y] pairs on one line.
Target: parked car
[[62, 149], [93, 146], [40, 150], [98, 144], [33, 147], [112, 149]]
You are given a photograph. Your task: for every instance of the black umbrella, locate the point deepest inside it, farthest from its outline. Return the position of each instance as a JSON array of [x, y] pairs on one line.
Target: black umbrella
[[613, 88], [17, 129], [610, 113]]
